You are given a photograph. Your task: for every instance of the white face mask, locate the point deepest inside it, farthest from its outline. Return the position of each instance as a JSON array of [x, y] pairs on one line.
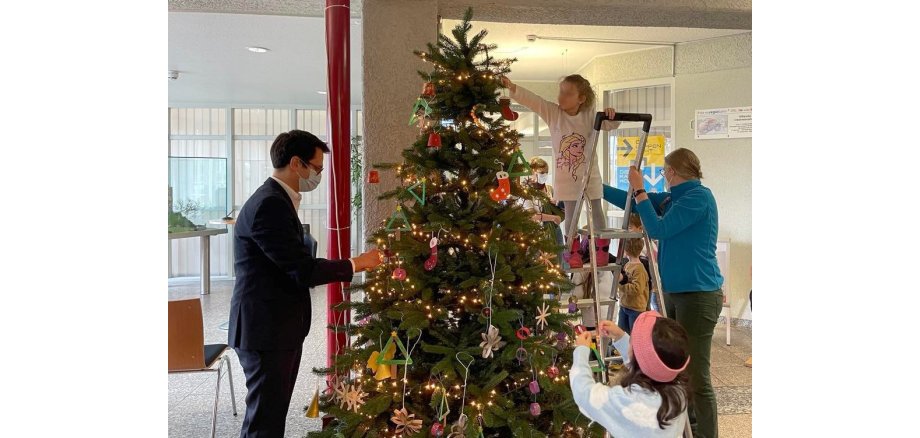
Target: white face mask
[[309, 184], [542, 178]]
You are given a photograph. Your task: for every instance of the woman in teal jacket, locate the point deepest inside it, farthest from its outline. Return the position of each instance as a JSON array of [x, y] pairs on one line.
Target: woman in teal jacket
[[685, 222]]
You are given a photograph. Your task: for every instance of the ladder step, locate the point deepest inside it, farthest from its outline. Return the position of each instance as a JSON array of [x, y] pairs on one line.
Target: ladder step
[[589, 302], [613, 233], [612, 267]]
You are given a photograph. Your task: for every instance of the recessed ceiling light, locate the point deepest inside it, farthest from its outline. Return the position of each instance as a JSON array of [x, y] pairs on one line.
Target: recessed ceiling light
[[321, 92], [257, 49]]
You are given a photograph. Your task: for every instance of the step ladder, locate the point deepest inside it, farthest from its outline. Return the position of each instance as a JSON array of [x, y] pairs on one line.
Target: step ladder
[[594, 231]]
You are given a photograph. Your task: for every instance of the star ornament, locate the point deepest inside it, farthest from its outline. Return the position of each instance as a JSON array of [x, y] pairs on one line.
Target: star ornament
[[491, 342], [341, 393], [405, 423], [354, 398], [542, 314]]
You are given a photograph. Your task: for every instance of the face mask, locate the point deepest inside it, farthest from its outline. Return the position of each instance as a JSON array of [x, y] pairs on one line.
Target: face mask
[[542, 178], [309, 184]]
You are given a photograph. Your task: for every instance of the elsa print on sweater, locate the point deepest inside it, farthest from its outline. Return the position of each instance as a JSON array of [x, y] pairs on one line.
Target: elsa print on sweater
[[571, 154]]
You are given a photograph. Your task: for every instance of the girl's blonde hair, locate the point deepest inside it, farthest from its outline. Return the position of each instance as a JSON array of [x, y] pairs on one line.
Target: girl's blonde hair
[[584, 89]]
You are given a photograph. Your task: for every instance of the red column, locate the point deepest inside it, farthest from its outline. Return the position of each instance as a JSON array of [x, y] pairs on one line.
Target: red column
[[339, 95]]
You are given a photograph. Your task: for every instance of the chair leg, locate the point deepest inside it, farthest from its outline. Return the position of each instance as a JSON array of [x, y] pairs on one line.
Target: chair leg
[[216, 397], [230, 377]]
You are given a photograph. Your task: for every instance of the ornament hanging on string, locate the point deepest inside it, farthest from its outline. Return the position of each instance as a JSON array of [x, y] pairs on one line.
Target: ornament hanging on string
[[434, 141], [507, 113], [428, 89], [535, 409], [491, 341], [373, 177], [405, 422], [433, 259], [354, 398], [573, 305], [542, 314], [504, 187]]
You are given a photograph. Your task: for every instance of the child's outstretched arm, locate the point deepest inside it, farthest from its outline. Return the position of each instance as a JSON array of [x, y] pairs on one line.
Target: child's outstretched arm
[[603, 404], [547, 110]]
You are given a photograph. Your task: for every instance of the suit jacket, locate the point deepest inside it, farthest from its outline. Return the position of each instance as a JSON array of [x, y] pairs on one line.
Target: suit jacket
[[270, 308]]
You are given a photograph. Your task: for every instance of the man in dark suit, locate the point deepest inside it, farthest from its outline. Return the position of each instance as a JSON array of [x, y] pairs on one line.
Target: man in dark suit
[[270, 310]]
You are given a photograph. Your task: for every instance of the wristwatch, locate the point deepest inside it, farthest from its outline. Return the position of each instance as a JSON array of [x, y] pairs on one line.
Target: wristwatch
[[638, 192]]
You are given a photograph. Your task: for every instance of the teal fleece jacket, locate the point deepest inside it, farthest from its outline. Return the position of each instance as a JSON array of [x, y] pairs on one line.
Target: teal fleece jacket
[[686, 224]]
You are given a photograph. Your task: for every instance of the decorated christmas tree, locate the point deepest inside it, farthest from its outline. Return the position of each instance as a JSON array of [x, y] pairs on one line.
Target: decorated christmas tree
[[459, 333]]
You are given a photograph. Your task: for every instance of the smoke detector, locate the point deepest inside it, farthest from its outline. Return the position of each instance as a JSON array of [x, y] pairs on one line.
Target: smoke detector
[[173, 75]]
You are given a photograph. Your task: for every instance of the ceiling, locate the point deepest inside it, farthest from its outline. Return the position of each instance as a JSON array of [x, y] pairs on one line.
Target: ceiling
[[209, 51]]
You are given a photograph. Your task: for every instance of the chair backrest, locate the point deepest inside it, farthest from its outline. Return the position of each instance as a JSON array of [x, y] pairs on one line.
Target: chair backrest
[[186, 335]]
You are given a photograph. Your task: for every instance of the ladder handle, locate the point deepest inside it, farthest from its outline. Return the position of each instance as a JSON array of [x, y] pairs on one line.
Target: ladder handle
[[646, 119]]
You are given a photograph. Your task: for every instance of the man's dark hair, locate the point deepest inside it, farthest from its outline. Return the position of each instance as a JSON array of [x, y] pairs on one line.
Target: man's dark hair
[[295, 143]]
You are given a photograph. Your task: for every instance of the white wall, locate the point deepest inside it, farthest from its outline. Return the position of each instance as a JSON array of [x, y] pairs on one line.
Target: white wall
[[709, 74]]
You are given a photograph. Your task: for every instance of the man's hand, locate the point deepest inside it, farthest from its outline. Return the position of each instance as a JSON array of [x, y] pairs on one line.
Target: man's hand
[[368, 260], [507, 83]]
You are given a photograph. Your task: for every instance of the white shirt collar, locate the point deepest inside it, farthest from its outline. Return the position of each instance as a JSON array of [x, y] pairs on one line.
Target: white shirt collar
[[294, 194]]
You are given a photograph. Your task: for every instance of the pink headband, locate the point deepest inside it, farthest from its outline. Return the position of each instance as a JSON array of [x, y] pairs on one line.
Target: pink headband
[[644, 349]]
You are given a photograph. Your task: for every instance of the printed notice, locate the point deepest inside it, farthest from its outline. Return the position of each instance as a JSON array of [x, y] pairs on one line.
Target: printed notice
[[723, 123]]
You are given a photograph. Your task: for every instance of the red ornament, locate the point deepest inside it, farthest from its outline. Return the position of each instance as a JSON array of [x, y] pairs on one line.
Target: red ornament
[[428, 89], [504, 187], [399, 274], [373, 177], [434, 140], [534, 387], [487, 311], [579, 329], [433, 260], [552, 371], [506, 109], [437, 429], [523, 333]]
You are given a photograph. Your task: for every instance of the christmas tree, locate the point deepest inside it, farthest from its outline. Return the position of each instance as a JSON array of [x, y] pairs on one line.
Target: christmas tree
[[459, 333]]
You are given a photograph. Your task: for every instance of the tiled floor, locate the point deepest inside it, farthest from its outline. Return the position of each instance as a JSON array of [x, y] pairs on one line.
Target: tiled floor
[[191, 396]]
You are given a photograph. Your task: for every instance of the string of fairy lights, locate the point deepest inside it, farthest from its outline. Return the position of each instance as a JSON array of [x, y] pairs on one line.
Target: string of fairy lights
[[402, 294]]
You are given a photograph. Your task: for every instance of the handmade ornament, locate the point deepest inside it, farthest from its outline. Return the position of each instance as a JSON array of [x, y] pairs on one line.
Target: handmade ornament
[[433, 259], [573, 306], [534, 387], [434, 141], [523, 333], [398, 217], [382, 371], [523, 167], [509, 115], [382, 360], [340, 393], [458, 430], [535, 409], [420, 112], [428, 89], [600, 359], [405, 422], [491, 341], [504, 187], [521, 355], [412, 190], [542, 314], [373, 177], [354, 398]]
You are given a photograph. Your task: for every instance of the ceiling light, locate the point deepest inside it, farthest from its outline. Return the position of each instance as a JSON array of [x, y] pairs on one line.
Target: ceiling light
[[321, 92], [257, 49]]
